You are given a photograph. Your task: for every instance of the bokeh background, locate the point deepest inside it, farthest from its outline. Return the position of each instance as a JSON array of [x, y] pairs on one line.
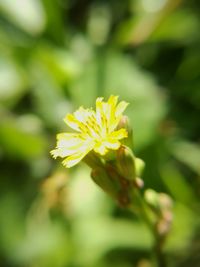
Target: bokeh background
[[58, 55]]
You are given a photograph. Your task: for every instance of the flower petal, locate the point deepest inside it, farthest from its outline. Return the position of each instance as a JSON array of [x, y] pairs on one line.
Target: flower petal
[[120, 108], [73, 147], [99, 110], [82, 114], [68, 144], [120, 134], [112, 144], [113, 100], [117, 116], [100, 148], [74, 159], [111, 118], [101, 115], [72, 122]]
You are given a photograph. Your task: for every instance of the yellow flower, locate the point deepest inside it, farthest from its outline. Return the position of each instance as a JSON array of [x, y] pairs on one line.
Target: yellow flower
[[96, 130]]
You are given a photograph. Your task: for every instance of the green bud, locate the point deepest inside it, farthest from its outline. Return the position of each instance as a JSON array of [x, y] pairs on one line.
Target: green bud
[[123, 185], [101, 178], [159, 201], [139, 183], [126, 163], [139, 166], [165, 201], [152, 198], [161, 204], [92, 160]]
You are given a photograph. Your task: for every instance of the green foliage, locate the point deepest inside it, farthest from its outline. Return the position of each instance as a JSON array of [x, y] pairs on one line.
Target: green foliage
[[58, 55]]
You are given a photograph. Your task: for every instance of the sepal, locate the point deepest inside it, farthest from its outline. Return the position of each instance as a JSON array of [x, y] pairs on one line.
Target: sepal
[[126, 163]]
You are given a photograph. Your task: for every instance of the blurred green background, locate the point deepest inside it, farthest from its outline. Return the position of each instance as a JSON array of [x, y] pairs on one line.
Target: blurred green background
[[58, 55]]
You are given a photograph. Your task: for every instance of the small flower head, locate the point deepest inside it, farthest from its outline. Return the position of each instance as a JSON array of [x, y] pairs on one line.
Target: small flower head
[[96, 130]]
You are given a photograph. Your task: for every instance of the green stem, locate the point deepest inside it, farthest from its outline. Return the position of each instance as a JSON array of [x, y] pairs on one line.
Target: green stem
[[161, 262], [145, 212]]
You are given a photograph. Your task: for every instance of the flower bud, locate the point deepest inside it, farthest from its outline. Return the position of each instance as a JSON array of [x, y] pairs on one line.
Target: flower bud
[[161, 204], [92, 160], [101, 178], [139, 166], [139, 183], [126, 163], [152, 198], [165, 201]]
